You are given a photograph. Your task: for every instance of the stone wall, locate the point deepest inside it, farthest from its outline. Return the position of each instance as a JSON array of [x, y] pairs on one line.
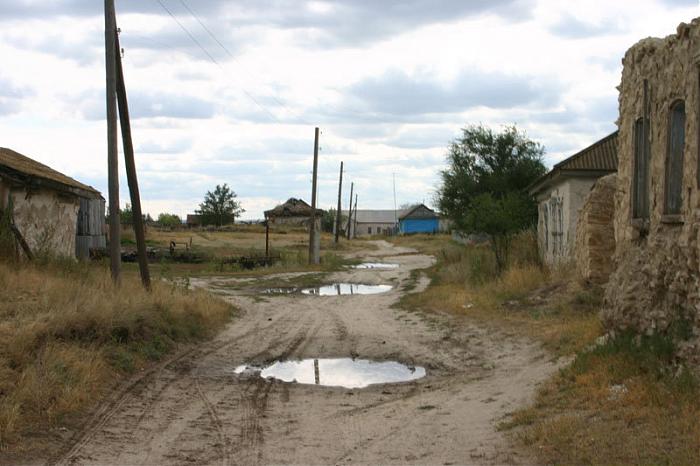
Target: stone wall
[[595, 234], [657, 278]]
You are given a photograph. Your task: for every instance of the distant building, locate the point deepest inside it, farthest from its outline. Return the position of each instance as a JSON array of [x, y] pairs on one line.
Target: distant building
[[367, 222], [53, 213], [561, 193], [293, 212], [193, 220], [419, 219]]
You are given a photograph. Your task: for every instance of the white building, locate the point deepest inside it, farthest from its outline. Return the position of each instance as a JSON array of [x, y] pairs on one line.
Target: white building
[[561, 192]]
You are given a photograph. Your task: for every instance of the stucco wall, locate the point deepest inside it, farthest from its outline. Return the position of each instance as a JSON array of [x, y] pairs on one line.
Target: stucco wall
[[657, 277], [571, 192], [362, 229], [47, 221]]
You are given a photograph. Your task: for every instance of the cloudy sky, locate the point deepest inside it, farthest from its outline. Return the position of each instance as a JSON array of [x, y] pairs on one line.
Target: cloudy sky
[[229, 91]]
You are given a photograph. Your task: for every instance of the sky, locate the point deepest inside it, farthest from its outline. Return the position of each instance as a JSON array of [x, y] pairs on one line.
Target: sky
[[229, 91]]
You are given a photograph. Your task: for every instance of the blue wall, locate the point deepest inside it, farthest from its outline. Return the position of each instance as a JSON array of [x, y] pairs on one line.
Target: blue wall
[[421, 225]]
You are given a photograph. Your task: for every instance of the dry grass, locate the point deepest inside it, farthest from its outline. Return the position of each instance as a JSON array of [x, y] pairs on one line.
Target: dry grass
[[622, 403], [549, 307], [67, 334]]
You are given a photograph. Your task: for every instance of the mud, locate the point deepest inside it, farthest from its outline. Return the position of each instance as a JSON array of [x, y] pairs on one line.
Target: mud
[[192, 409]]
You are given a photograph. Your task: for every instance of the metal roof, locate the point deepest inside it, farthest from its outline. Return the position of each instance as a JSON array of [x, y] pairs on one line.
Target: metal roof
[[375, 216], [597, 159], [22, 168]]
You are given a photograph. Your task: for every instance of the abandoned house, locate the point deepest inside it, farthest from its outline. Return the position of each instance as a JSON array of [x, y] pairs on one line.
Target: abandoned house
[[657, 221], [53, 213], [293, 212], [561, 193]]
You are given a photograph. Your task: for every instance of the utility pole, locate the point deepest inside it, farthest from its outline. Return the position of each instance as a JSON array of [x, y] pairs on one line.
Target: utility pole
[[130, 166], [396, 220], [352, 186], [337, 212], [314, 253], [355, 210], [112, 157]]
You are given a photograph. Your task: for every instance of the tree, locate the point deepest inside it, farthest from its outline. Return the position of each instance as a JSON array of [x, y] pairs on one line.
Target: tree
[[484, 188], [220, 207], [328, 221], [169, 220]]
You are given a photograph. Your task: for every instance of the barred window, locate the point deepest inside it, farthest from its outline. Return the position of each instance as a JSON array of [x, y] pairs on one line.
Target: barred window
[[642, 160], [674, 160]]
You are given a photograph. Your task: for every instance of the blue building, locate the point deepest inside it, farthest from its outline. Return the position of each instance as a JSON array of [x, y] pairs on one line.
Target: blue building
[[419, 219]]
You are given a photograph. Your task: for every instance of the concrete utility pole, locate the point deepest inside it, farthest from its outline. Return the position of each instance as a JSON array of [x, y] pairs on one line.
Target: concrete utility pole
[[337, 212], [355, 210], [314, 252], [130, 166], [352, 186], [112, 160]]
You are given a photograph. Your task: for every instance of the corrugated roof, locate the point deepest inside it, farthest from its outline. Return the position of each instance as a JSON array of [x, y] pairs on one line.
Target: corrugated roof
[[18, 164], [600, 156], [375, 216]]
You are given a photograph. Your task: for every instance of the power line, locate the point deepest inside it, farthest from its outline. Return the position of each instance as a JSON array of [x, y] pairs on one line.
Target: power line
[[233, 57], [213, 60]]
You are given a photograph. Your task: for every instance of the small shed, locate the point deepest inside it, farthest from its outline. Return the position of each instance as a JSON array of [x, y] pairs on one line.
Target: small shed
[[194, 220], [419, 219], [53, 213], [293, 212]]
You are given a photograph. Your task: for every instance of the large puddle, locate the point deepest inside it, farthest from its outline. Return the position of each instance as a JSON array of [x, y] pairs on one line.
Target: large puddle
[[375, 265], [339, 372], [346, 288]]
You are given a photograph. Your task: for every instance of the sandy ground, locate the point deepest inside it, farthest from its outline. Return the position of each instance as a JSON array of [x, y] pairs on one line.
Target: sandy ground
[[192, 409]]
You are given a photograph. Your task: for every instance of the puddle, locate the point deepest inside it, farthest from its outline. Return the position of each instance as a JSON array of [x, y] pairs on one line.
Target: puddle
[[339, 372], [338, 289], [375, 265]]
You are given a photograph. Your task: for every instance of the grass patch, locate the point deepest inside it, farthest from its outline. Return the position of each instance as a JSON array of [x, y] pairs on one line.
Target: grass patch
[[548, 306], [622, 403], [67, 334]]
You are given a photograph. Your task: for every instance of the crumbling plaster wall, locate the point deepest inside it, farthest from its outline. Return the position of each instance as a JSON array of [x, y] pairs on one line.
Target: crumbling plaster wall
[[657, 279], [595, 233], [571, 192], [47, 221]]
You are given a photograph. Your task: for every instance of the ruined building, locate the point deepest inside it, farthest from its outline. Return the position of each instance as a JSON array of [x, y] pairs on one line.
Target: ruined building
[[53, 214], [657, 219]]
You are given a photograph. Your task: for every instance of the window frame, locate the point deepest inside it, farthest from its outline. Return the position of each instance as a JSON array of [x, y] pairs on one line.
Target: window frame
[[675, 157]]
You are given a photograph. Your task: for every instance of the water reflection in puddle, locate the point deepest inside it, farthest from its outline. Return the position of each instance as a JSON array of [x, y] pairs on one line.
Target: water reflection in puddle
[[375, 265], [339, 372], [338, 289]]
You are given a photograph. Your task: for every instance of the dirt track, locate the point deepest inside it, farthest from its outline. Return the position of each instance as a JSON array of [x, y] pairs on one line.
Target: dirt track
[[194, 410]]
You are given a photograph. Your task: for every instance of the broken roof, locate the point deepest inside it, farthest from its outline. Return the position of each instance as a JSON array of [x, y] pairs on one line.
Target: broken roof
[[21, 169], [292, 208], [598, 159]]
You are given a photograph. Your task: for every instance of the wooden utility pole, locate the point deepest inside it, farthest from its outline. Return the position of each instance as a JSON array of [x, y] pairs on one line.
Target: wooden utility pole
[[130, 166], [352, 186], [112, 161], [313, 250], [337, 212], [267, 238]]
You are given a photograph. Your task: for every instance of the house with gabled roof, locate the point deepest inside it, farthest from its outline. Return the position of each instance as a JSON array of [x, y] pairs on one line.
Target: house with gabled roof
[[561, 193]]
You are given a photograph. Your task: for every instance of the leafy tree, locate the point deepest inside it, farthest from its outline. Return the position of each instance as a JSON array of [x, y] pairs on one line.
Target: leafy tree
[[126, 215], [220, 207], [484, 188], [169, 220], [328, 221]]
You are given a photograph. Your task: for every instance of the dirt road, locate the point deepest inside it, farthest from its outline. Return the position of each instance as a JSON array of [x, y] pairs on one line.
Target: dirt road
[[195, 410]]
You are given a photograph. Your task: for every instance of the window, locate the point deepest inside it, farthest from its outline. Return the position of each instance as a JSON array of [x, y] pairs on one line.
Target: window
[[674, 159], [640, 178], [369, 230]]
